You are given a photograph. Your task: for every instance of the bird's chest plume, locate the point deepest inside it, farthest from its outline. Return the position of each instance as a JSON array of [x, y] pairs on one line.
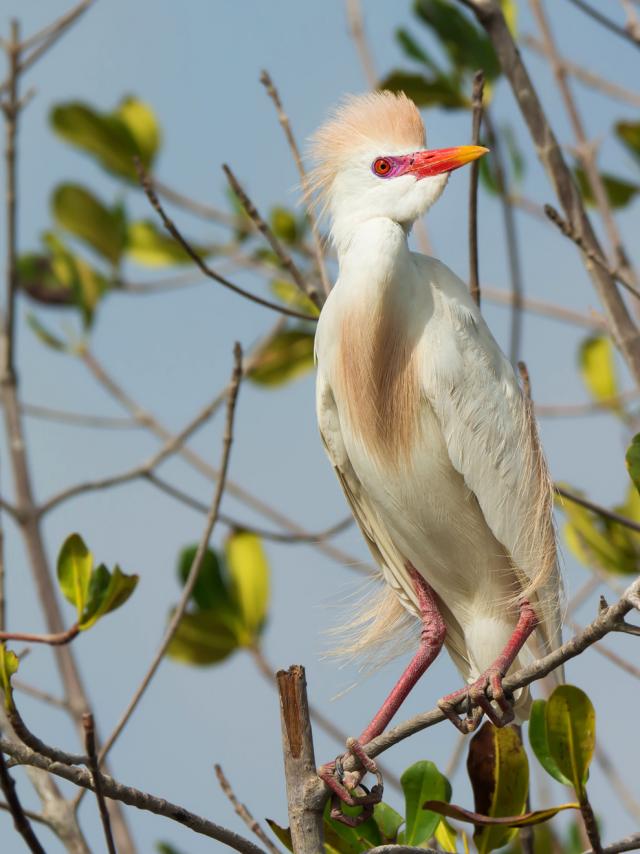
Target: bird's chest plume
[[378, 380]]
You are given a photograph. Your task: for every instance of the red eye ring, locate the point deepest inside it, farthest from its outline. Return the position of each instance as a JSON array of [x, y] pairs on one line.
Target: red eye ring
[[381, 167]]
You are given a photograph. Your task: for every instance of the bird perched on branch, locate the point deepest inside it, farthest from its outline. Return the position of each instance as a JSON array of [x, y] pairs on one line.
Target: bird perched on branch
[[422, 417]]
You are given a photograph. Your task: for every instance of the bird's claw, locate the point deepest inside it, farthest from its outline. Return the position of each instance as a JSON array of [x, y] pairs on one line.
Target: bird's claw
[[343, 784], [478, 703]]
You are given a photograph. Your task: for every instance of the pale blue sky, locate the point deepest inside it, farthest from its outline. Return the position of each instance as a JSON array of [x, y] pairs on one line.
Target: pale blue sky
[[198, 64]]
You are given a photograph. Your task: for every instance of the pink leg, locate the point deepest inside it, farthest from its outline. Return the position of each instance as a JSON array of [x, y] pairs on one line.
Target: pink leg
[[493, 676], [431, 641]]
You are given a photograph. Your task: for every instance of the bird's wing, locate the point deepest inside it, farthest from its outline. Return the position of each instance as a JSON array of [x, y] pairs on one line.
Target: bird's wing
[[377, 626], [491, 438]]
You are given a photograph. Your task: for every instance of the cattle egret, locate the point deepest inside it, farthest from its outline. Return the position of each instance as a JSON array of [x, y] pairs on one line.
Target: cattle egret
[[427, 429]]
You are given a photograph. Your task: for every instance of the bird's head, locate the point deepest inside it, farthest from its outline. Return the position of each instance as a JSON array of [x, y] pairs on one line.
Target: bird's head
[[371, 161]]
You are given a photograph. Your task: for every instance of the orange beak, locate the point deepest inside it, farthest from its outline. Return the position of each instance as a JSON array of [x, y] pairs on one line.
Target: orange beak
[[424, 164]]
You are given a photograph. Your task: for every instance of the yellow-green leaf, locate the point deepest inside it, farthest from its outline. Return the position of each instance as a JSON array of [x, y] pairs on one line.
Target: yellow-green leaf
[[291, 295], [205, 637], [571, 733], [511, 821], [499, 774], [107, 591], [540, 742], [86, 217], [47, 337], [249, 574], [151, 246], [143, 126], [446, 836], [8, 666], [284, 357], [619, 191], [632, 458], [75, 564], [598, 370], [284, 225], [282, 833]]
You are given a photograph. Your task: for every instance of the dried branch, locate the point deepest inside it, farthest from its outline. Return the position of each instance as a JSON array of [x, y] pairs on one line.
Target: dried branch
[[629, 843], [192, 206], [626, 32], [20, 820], [146, 183], [273, 536], [53, 639], [305, 814], [586, 76], [491, 18], [284, 257], [476, 120], [133, 797], [593, 407], [244, 813], [547, 309], [39, 694], [356, 29], [613, 657], [80, 419], [267, 82], [55, 754], [513, 252], [90, 747], [586, 152], [194, 570], [610, 619], [591, 254]]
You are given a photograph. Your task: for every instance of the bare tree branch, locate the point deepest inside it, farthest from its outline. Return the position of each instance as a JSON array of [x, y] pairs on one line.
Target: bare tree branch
[[133, 797], [53, 639], [242, 811], [90, 747], [20, 820], [283, 118], [146, 182], [356, 29], [285, 258], [547, 309], [476, 120], [627, 33], [597, 508]]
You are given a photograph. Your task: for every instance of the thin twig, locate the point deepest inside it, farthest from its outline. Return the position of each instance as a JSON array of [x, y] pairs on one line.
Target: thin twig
[[194, 570], [90, 747], [593, 407], [629, 843], [56, 754], [263, 227], [32, 816], [244, 813], [39, 694], [133, 797], [80, 419], [476, 120], [597, 508], [356, 29], [267, 82], [510, 230], [20, 820], [147, 185], [609, 654], [590, 823], [591, 254], [193, 206], [547, 309], [624, 32], [586, 76], [273, 536], [52, 639]]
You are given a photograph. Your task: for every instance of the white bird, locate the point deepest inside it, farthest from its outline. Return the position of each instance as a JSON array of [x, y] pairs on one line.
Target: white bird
[[425, 424]]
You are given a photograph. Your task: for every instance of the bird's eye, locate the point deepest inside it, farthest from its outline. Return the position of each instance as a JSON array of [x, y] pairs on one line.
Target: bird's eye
[[381, 167]]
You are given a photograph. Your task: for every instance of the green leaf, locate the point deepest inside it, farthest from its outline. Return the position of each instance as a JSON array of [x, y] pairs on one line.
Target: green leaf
[[84, 284], [632, 458], [8, 666], [571, 733], [83, 215], [421, 782], [143, 127], [594, 539], [524, 820], [211, 588], [107, 591], [284, 225], [249, 575], [598, 370], [540, 743], [413, 50], [75, 565], [36, 279], [167, 848], [48, 338], [291, 295], [619, 191], [350, 840], [388, 821], [439, 90], [151, 246], [629, 134], [499, 774], [283, 834], [205, 637], [113, 139], [284, 357], [467, 46]]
